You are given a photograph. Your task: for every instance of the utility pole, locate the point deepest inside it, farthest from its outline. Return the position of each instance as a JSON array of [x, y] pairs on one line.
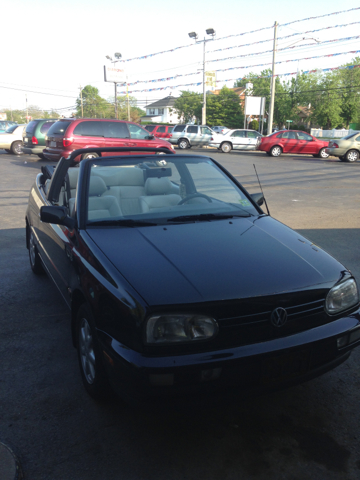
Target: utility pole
[[127, 95], [82, 106], [116, 109], [272, 97], [27, 112], [203, 119]]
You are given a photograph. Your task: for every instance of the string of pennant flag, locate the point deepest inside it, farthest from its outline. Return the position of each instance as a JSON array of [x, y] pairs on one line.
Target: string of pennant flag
[[242, 67], [144, 57], [243, 78]]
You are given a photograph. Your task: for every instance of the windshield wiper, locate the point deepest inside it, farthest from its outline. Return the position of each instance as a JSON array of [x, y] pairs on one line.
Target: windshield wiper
[[204, 217], [122, 223]]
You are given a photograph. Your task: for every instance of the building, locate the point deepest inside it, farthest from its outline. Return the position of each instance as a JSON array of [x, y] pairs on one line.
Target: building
[[161, 111]]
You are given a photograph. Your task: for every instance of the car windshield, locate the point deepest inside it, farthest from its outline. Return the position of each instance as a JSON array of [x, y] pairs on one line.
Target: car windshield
[[143, 191], [11, 129]]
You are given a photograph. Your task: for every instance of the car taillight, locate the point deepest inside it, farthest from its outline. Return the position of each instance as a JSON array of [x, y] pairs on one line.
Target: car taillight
[[34, 140], [211, 139], [68, 141], [335, 145]]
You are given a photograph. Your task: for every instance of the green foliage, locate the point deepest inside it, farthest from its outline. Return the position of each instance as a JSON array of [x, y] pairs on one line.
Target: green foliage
[[254, 125], [188, 106]]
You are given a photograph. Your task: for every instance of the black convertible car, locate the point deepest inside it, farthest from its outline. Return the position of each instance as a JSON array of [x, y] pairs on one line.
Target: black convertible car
[[179, 284]]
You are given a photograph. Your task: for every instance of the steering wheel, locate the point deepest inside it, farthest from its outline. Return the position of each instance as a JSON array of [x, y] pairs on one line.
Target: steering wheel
[[194, 195]]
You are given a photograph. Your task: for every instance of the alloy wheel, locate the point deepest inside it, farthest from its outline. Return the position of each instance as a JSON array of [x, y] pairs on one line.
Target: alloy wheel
[[87, 354], [352, 156]]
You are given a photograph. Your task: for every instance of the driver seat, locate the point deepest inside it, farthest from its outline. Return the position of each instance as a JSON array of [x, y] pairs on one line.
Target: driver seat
[[158, 195]]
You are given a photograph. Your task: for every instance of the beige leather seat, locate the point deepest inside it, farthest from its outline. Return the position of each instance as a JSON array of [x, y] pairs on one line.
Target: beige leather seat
[[100, 205], [158, 195]]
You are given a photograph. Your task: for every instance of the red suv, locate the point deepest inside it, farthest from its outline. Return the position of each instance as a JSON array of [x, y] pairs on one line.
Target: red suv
[[69, 134], [293, 141], [160, 131]]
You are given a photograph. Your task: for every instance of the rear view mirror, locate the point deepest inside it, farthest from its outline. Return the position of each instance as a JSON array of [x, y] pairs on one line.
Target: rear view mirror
[[57, 216], [150, 137]]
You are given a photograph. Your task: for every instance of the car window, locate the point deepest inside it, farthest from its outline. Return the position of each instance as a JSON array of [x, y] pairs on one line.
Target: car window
[[357, 138], [137, 132], [159, 190], [116, 130], [45, 127], [288, 135], [90, 129], [252, 134], [58, 128], [11, 129], [150, 128], [2, 125], [304, 136], [179, 128], [30, 128], [161, 129], [170, 129], [206, 131], [349, 136], [238, 134], [192, 129]]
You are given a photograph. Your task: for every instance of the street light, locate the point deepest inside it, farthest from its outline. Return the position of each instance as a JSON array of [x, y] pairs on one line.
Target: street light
[[194, 35], [117, 56]]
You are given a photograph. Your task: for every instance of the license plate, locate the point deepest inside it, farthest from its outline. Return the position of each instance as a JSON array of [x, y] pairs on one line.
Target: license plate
[[285, 367], [52, 144]]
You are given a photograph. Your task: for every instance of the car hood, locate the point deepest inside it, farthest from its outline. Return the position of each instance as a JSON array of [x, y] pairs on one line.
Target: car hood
[[216, 260]]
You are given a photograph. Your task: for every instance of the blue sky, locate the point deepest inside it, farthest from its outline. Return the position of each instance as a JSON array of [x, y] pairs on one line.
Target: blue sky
[[56, 47]]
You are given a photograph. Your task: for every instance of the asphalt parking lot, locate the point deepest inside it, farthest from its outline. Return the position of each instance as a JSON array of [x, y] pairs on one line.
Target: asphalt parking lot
[[59, 433]]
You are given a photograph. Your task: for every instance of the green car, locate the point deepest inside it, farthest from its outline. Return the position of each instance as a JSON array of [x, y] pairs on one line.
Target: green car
[[34, 136], [346, 148]]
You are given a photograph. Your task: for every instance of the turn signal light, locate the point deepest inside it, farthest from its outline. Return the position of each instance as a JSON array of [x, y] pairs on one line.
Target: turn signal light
[[34, 140], [68, 141]]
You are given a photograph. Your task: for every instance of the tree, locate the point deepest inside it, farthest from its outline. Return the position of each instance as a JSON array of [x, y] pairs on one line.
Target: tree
[[224, 109], [94, 106], [188, 106]]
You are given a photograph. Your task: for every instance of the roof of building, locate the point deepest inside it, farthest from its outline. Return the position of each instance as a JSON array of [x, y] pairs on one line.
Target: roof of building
[[164, 102], [238, 90]]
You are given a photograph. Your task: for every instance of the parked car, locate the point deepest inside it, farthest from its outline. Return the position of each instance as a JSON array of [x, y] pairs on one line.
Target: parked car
[[11, 140], [293, 141], [179, 284], [221, 130], [187, 136], [34, 136], [67, 135], [239, 139], [4, 125], [346, 148], [160, 131]]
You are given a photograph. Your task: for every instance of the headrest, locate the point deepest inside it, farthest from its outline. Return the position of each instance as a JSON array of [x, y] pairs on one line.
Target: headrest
[[97, 186], [73, 176], [157, 186], [130, 177]]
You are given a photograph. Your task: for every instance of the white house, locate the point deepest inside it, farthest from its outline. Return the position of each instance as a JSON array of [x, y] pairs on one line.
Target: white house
[[161, 111]]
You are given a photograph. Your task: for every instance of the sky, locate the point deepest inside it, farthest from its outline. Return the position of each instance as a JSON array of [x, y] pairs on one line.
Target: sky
[[54, 48]]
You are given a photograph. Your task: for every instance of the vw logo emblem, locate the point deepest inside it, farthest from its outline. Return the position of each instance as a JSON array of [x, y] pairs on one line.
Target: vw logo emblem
[[278, 317]]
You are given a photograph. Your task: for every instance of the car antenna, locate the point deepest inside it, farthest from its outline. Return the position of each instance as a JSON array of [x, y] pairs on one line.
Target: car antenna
[[267, 208]]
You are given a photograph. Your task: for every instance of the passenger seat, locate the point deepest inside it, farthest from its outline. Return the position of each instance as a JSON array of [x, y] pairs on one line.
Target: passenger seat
[[158, 195]]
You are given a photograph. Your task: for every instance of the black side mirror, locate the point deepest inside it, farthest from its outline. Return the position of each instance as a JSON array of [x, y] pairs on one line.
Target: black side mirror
[[258, 198], [150, 137], [57, 216]]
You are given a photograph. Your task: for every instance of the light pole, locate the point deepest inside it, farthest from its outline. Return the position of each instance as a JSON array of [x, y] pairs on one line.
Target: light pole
[[117, 56], [194, 35]]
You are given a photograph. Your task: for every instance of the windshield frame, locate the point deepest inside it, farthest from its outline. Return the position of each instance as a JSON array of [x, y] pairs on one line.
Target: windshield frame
[[161, 217]]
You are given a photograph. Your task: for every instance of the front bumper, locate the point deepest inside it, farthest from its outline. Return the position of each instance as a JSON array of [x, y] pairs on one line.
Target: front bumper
[[245, 370]]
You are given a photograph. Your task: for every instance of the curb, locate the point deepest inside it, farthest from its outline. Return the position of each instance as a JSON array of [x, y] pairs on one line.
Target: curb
[[10, 468]]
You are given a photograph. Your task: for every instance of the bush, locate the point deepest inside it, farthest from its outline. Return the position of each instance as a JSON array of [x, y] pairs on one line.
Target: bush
[[254, 125]]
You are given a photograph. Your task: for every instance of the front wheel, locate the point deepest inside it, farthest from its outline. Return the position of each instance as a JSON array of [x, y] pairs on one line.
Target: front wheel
[[89, 155], [352, 156], [226, 147], [16, 148], [89, 355], [323, 154], [276, 151], [35, 262], [183, 144]]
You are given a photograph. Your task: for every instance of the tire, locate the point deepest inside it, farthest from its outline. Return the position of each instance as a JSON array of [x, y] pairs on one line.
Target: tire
[[92, 369], [7, 150], [226, 147], [351, 156], [16, 148], [342, 158], [268, 153], [183, 144], [42, 156], [276, 151], [322, 154], [89, 155], [35, 262], [316, 156]]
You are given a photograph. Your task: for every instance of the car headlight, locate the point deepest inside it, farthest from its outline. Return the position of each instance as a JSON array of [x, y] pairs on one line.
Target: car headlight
[[341, 297], [179, 328]]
